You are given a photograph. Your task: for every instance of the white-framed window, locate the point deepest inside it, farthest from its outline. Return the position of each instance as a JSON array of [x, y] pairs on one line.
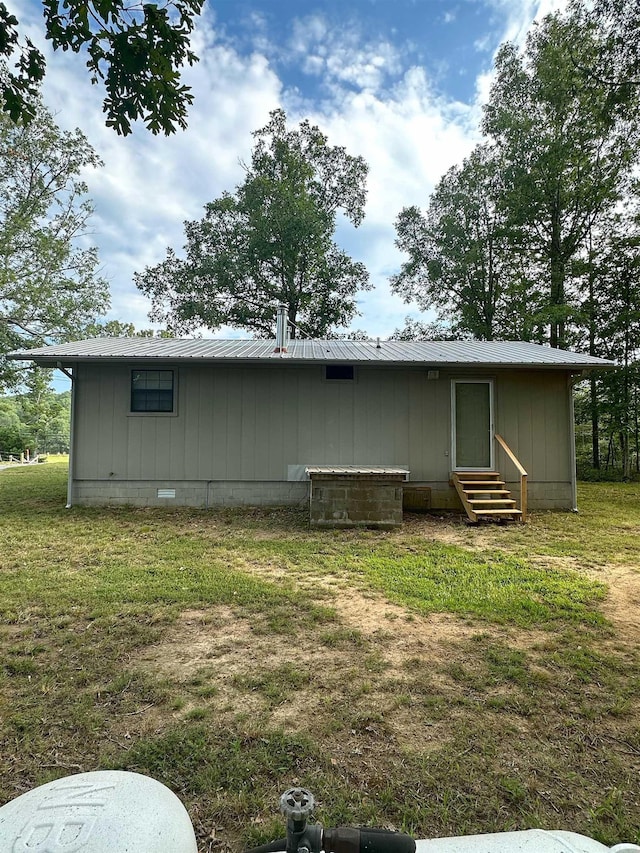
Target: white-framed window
[[153, 391]]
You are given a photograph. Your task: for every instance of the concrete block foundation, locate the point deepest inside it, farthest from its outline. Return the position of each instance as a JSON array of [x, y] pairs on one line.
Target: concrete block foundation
[[360, 505], [196, 493]]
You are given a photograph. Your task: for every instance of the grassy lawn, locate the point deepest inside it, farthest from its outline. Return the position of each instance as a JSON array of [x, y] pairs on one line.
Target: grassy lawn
[[441, 679]]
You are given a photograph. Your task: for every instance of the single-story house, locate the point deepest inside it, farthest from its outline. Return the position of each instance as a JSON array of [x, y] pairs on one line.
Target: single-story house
[[230, 422]]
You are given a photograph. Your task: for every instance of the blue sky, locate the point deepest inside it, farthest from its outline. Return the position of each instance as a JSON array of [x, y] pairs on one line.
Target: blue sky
[[451, 41], [400, 82]]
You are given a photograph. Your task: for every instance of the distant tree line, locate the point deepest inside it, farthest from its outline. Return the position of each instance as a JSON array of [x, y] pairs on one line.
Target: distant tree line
[[37, 419]]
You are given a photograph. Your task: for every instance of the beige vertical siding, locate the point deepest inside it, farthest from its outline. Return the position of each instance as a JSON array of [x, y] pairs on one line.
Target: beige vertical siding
[[532, 415], [251, 423]]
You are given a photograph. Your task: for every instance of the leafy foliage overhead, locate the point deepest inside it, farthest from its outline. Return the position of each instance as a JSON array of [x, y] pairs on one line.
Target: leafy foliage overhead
[[135, 48], [618, 62]]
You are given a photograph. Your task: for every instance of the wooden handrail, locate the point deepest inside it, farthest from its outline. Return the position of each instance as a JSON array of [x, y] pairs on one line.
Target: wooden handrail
[[523, 474], [510, 454]]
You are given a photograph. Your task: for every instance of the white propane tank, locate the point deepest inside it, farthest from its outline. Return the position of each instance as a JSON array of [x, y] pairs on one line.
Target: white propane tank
[[107, 811], [525, 841]]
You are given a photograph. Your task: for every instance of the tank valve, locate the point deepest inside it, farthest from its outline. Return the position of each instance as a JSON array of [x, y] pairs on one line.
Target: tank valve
[[297, 804]]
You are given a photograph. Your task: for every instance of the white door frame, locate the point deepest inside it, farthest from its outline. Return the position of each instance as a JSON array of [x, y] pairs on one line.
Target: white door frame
[[454, 461]]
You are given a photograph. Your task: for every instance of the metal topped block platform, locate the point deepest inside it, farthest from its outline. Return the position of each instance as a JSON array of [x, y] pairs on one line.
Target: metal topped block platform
[[356, 495]]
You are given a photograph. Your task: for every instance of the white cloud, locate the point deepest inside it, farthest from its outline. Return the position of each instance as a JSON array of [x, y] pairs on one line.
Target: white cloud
[[342, 55], [520, 13], [409, 138], [483, 44], [308, 33]]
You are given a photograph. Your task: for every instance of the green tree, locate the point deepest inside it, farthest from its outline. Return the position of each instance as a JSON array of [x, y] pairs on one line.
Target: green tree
[[38, 406], [135, 48], [566, 147], [49, 285], [13, 434], [461, 261], [270, 242], [118, 329], [617, 64], [619, 339]]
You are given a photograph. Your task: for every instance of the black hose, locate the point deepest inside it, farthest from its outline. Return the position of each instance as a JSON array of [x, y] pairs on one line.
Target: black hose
[[352, 840], [348, 839], [385, 841]]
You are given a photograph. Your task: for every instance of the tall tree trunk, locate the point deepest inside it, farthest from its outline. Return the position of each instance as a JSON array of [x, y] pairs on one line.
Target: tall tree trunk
[[637, 428], [610, 454], [624, 453], [594, 403], [292, 316], [557, 332], [595, 424], [626, 388], [626, 417]]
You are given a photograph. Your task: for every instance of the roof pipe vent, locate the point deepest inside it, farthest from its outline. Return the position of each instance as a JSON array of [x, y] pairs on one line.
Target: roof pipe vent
[[281, 329]]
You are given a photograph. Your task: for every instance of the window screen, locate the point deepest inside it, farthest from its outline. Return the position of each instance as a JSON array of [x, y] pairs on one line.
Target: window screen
[[152, 391], [339, 371]]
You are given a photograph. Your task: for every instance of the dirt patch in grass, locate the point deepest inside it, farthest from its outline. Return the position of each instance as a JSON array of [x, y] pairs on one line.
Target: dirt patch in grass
[[219, 638], [375, 661], [386, 696], [622, 604]]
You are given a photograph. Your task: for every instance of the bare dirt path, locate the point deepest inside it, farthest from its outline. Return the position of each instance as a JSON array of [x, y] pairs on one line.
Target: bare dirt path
[[622, 605]]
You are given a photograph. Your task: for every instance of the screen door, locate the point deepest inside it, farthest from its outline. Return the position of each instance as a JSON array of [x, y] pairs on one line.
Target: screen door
[[472, 424]]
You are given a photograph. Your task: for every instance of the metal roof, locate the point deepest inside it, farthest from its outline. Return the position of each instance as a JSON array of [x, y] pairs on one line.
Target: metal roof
[[417, 353]]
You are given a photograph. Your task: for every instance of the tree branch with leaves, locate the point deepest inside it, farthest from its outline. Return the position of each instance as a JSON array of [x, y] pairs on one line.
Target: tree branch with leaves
[[270, 242], [134, 48]]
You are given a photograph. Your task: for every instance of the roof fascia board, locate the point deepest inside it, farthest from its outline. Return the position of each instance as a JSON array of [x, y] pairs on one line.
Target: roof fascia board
[[71, 361]]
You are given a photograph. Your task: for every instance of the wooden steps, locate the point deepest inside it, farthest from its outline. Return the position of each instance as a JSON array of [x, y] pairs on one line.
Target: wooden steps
[[483, 493], [491, 502]]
